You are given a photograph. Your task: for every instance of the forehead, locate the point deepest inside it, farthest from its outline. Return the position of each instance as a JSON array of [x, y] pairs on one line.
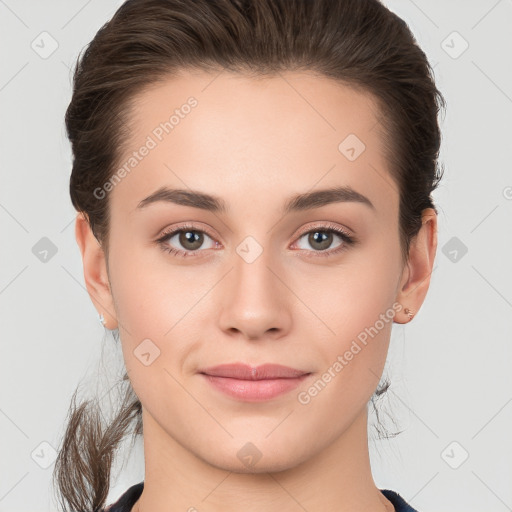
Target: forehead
[[247, 138]]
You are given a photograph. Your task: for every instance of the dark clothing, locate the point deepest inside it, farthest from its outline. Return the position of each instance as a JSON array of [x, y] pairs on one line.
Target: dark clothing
[[128, 499]]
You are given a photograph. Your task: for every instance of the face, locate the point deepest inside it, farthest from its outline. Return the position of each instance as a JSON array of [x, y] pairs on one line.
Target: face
[[310, 285]]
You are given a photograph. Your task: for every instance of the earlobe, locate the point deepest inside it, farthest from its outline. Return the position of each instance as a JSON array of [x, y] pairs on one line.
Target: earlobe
[[95, 271], [416, 279]]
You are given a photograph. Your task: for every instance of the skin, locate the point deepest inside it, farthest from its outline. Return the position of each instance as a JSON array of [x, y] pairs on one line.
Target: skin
[[255, 143]]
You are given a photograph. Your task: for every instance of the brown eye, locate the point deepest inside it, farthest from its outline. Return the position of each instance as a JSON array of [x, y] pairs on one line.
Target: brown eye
[[320, 240], [190, 240], [185, 241]]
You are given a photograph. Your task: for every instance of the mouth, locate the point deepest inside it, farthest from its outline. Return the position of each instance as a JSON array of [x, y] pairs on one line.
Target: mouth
[[253, 384]]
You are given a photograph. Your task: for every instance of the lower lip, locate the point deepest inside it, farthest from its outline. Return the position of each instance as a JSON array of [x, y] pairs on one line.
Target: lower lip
[[254, 390]]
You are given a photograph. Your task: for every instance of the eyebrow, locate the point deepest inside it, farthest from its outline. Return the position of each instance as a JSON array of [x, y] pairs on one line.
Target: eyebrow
[[299, 202]]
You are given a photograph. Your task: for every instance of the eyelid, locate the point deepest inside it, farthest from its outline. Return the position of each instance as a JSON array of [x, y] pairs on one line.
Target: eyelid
[[183, 226], [325, 226]]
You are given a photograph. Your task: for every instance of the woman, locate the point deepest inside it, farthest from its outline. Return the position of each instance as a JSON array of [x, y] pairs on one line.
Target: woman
[[253, 181]]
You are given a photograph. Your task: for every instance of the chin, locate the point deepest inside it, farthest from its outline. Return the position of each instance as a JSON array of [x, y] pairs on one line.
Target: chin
[[262, 467], [257, 457]]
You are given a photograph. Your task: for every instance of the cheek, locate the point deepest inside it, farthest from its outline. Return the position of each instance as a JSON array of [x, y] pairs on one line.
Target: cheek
[[157, 306], [355, 305], [350, 297], [352, 359], [151, 293]]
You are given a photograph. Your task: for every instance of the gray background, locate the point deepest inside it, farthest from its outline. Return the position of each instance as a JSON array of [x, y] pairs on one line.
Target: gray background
[[450, 368]]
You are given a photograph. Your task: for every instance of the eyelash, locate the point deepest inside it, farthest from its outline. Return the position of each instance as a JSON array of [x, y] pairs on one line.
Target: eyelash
[[348, 240]]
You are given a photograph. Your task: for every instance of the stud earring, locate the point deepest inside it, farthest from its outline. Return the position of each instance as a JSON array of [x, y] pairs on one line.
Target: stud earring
[[409, 312], [102, 319]]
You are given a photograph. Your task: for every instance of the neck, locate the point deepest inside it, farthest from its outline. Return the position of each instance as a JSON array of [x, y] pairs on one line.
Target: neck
[[338, 478]]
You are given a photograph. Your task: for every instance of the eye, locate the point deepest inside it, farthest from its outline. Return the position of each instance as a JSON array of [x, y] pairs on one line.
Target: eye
[[192, 239], [321, 238], [189, 238]]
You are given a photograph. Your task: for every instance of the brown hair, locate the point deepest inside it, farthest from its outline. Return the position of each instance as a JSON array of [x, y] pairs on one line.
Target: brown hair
[[359, 43]]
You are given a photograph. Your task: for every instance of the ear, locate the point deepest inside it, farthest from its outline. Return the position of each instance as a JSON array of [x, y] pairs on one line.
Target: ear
[[416, 276], [95, 271]]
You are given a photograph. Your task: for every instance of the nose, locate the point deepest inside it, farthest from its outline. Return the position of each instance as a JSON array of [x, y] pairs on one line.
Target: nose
[[254, 302]]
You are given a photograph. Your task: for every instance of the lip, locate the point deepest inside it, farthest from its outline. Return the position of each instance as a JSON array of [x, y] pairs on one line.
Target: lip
[[253, 384]]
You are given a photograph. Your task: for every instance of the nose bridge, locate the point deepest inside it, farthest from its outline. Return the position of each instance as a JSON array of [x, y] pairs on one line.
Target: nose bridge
[[254, 282], [254, 300]]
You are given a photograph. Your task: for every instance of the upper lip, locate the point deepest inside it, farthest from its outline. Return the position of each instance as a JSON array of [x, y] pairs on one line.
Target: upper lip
[[247, 372]]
